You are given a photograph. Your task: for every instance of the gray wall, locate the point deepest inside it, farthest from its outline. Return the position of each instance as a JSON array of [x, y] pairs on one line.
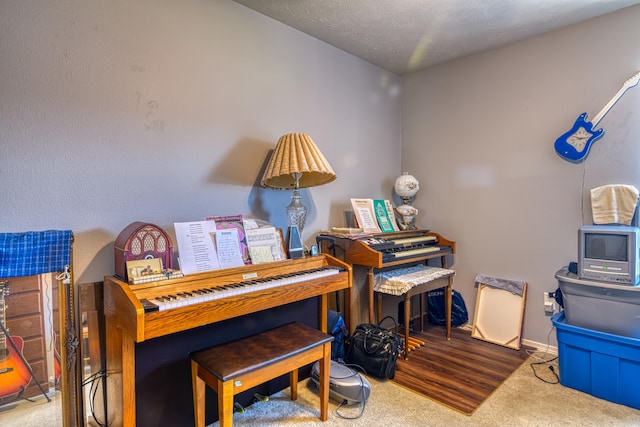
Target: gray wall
[[479, 135], [164, 111]]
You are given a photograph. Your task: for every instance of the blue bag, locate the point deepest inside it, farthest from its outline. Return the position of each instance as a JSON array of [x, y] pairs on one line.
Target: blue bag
[[459, 315], [337, 328]]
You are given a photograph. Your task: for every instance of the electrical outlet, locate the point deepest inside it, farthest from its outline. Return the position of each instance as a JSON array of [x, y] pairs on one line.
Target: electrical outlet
[[549, 303]]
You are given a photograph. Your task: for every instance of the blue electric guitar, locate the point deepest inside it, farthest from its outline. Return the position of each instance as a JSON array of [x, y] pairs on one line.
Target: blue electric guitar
[[574, 145]]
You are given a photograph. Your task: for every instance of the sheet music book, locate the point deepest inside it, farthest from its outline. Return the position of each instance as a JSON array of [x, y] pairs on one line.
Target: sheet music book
[[265, 244], [234, 222], [385, 216], [228, 247], [196, 246], [365, 215]]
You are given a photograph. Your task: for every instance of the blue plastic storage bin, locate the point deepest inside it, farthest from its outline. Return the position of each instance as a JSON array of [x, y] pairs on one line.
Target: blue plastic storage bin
[[601, 364]]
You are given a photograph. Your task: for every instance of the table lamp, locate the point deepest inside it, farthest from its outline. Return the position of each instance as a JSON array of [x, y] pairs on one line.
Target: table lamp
[[296, 163], [406, 186]]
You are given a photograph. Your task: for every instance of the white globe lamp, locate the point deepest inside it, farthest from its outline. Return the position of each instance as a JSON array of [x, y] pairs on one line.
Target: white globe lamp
[[406, 187]]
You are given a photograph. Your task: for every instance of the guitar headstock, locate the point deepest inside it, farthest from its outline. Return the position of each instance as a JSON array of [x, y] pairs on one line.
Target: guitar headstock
[[632, 81]]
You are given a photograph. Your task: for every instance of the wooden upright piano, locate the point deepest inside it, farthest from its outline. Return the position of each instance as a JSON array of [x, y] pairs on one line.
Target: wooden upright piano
[[381, 251], [140, 313]]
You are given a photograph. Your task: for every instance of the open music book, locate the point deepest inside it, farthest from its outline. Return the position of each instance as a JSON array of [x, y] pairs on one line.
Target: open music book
[[225, 242], [196, 246], [374, 215]]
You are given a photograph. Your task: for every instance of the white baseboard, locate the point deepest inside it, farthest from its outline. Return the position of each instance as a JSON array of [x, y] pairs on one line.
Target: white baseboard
[[541, 347], [537, 345]]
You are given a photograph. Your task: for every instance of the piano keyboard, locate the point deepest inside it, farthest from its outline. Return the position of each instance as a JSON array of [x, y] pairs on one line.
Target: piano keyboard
[[182, 299]]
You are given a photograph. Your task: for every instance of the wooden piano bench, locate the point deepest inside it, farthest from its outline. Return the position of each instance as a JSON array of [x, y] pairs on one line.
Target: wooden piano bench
[[236, 366]]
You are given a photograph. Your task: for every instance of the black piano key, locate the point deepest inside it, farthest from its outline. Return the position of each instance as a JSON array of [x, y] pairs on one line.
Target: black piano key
[[148, 306]]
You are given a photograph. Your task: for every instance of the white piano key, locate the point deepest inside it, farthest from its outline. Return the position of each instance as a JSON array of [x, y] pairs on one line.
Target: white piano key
[[182, 299]]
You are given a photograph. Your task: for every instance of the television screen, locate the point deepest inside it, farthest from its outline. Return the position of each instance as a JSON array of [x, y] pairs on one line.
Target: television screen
[[612, 247]]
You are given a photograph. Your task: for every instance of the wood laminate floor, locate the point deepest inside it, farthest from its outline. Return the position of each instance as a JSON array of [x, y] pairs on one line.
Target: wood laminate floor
[[460, 373]]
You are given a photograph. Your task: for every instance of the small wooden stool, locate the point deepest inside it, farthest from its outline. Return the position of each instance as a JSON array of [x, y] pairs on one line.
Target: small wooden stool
[[237, 366]]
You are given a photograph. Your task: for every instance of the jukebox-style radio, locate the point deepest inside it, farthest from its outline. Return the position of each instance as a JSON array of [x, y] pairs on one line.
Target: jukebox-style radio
[[140, 241]]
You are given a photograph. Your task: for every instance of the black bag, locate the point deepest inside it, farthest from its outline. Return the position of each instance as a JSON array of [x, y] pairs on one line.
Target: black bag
[[437, 309], [375, 349]]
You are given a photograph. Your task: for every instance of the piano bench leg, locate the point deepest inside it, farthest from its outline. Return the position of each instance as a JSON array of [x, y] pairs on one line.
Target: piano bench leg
[[293, 384], [407, 319]]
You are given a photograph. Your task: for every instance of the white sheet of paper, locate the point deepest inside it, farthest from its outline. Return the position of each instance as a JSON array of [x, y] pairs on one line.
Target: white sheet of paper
[[260, 254], [268, 237], [250, 224], [228, 246], [196, 246]]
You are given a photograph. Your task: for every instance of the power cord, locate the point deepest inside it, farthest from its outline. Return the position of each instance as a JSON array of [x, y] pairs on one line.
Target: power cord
[[94, 380], [344, 403], [534, 353], [343, 416], [551, 368], [363, 403], [542, 361]]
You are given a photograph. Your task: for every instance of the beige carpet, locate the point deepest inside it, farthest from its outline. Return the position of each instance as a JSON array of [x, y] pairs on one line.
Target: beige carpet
[[522, 400]]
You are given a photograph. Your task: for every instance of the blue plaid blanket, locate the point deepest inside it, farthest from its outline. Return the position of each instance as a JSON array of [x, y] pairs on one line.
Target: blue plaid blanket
[[34, 252]]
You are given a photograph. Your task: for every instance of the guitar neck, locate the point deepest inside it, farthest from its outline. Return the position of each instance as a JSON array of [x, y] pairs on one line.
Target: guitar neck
[[627, 85], [3, 342]]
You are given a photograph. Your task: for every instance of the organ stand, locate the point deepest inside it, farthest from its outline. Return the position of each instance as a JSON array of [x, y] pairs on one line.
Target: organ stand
[[136, 314], [381, 251]]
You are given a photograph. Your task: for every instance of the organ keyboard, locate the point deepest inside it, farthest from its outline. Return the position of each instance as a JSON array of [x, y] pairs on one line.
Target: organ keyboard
[[136, 313], [381, 250], [385, 243], [407, 253]]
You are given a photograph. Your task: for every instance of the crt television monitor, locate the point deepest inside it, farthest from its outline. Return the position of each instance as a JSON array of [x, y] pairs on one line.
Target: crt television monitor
[[609, 253]]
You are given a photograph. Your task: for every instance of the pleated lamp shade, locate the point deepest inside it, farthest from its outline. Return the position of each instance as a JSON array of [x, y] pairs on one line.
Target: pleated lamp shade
[[297, 160]]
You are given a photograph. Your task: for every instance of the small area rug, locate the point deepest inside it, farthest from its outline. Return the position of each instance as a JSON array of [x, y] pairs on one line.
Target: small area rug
[[460, 373]]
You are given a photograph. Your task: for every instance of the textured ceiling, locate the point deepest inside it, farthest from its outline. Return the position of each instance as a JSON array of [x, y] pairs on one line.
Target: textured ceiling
[[409, 35]]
